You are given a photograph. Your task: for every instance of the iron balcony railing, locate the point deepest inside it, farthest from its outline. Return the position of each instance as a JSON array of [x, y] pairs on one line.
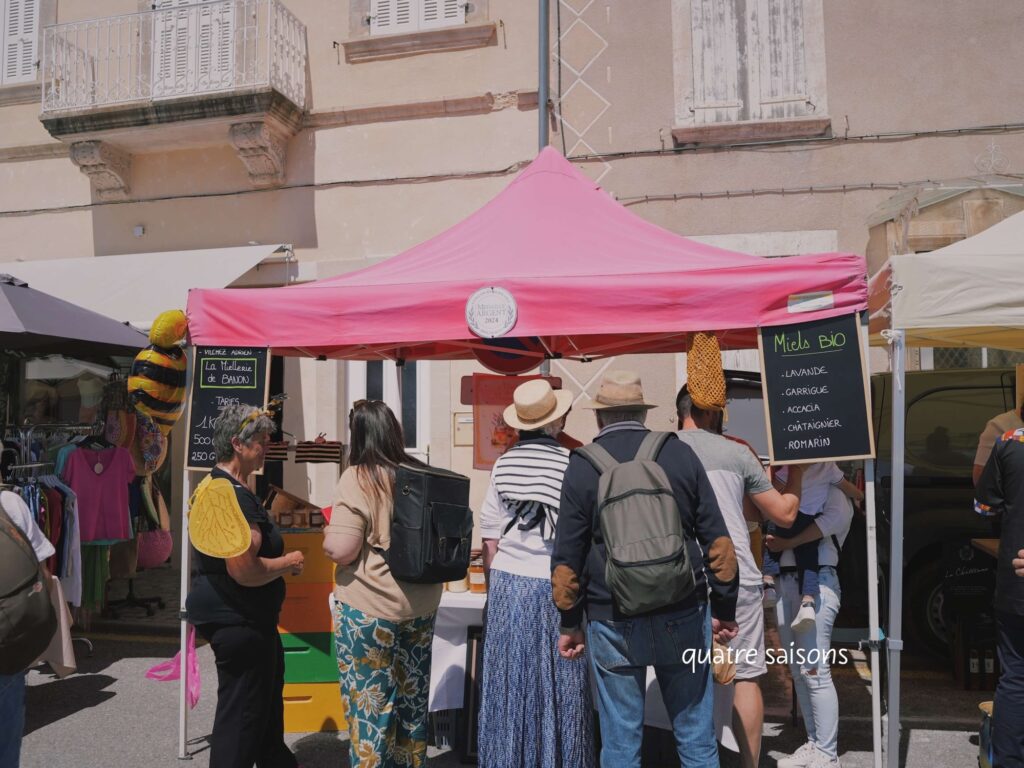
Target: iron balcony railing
[[175, 51]]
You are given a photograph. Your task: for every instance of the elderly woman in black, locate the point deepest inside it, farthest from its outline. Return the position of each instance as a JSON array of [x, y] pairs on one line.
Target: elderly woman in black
[[234, 603]]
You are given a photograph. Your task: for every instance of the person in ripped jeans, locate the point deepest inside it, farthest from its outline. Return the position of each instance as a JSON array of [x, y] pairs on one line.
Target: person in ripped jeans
[[809, 652]]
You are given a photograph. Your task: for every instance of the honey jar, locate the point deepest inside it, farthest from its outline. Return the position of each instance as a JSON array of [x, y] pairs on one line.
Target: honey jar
[[477, 583]]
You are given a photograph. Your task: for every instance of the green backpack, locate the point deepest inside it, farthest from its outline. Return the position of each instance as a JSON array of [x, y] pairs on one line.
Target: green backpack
[[647, 558], [27, 618]]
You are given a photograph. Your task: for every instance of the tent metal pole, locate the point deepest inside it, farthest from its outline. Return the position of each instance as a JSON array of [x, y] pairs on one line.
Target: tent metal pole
[[875, 637], [183, 754], [543, 65], [183, 681], [895, 640]]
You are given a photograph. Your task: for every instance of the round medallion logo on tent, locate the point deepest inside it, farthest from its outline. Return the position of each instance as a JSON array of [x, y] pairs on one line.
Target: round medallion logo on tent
[[491, 312]]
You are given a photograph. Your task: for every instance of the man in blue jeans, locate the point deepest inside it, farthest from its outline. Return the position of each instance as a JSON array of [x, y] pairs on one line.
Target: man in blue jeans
[[12, 687], [674, 639]]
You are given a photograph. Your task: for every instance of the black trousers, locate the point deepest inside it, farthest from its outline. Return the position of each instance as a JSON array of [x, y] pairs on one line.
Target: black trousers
[[1008, 708], [248, 727]]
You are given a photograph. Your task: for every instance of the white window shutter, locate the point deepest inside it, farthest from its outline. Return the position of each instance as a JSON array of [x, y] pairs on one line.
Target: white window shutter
[[171, 48], [718, 61], [442, 13], [20, 41], [215, 43], [782, 69], [393, 16]]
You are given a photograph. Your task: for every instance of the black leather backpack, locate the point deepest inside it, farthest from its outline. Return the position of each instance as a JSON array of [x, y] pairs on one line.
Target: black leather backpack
[[431, 526]]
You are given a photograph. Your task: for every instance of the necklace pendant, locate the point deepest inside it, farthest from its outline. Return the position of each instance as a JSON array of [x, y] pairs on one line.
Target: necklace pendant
[[98, 468]]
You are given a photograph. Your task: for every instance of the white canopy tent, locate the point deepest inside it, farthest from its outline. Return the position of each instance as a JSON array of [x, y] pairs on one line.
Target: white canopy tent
[[965, 295]]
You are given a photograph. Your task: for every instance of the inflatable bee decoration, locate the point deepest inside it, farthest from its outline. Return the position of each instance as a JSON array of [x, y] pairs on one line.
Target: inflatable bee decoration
[[156, 384]]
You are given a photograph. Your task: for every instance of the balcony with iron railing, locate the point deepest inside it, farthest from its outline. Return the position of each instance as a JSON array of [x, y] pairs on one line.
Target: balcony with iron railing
[[224, 71]]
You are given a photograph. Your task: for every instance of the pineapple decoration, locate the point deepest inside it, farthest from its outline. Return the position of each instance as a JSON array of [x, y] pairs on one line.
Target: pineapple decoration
[[704, 375]]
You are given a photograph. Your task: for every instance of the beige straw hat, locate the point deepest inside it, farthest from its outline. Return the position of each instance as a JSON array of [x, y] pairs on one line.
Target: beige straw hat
[[620, 390], [535, 403]]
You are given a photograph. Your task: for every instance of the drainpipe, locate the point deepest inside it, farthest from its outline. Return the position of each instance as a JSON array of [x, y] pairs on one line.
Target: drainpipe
[[543, 59]]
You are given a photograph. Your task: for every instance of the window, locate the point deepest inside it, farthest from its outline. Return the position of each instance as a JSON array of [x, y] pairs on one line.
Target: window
[[20, 41], [942, 428], [750, 60], [394, 16], [406, 390], [193, 47]]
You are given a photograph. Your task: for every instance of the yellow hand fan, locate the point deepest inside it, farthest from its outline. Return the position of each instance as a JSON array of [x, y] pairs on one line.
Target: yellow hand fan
[[216, 525]]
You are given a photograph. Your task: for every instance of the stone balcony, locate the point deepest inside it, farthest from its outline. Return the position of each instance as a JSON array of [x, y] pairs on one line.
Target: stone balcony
[[231, 72]]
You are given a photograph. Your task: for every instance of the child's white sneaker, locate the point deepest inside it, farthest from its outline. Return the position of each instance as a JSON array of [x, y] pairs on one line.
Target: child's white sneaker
[[804, 620]]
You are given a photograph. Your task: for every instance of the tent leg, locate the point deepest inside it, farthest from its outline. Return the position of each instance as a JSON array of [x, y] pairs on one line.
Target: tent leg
[[183, 681], [875, 636], [895, 641]]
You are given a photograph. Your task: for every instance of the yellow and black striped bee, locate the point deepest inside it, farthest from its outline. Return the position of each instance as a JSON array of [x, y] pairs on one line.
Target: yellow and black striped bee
[[156, 384]]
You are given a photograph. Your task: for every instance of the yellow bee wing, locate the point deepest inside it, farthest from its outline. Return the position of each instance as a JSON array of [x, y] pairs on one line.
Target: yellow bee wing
[[216, 525]]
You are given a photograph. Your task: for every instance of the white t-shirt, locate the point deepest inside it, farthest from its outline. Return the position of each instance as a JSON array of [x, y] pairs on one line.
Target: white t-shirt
[[18, 511], [834, 520], [531, 470], [818, 479], [734, 472], [995, 429]]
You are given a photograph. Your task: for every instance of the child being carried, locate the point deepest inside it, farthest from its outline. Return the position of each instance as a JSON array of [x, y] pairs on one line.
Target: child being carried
[[817, 480]]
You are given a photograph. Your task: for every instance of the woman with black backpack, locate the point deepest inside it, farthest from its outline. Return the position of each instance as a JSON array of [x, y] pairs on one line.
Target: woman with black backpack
[[384, 627]]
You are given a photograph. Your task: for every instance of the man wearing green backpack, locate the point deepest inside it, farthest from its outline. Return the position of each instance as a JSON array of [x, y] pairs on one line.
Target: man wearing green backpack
[[27, 619], [642, 548]]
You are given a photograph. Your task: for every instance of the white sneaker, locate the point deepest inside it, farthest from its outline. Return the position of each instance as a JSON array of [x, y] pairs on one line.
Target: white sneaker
[[799, 759], [804, 620], [821, 760]]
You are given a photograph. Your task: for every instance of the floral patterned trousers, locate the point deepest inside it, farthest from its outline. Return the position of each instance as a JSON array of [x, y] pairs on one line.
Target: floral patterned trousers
[[384, 668]]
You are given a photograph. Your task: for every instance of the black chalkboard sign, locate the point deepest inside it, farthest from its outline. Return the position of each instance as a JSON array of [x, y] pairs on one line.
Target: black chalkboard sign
[[222, 375], [815, 384]]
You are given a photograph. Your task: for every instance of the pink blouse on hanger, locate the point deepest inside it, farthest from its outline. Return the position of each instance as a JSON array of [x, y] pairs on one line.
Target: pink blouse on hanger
[[100, 480]]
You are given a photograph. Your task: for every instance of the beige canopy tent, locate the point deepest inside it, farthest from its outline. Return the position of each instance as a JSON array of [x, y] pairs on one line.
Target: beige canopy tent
[[965, 295]]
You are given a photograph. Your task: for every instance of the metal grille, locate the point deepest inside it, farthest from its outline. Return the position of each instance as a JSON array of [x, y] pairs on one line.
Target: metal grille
[[975, 357], [172, 52]]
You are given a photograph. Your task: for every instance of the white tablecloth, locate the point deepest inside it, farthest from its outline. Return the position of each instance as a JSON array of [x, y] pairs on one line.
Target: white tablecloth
[[457, 612]]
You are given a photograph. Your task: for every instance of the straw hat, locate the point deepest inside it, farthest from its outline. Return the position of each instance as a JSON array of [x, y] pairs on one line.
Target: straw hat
[[621, 390], [535, 403]]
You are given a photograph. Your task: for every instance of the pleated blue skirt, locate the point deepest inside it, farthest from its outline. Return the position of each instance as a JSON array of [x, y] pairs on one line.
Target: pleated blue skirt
[[535, 706]]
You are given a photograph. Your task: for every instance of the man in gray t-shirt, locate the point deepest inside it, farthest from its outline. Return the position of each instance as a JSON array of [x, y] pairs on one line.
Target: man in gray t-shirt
[[744, 493]]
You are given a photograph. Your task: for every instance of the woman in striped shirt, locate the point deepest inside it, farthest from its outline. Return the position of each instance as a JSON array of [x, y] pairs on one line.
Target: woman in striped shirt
[[535, 709]]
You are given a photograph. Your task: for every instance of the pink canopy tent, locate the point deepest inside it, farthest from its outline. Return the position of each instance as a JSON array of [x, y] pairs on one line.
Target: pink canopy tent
[[589, 279]]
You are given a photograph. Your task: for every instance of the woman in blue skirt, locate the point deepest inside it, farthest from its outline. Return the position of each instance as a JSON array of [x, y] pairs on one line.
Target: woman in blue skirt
[[535, 709]]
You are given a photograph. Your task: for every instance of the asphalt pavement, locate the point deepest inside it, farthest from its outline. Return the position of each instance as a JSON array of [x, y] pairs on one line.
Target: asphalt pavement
[[108, 715]]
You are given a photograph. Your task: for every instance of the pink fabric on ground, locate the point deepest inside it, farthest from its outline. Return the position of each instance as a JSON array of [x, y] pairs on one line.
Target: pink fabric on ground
[[102, 497]]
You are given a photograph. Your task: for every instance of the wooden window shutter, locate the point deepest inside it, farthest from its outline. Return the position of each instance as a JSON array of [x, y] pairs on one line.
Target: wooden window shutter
[[781, 73], [393, 16], [719, 72], [20, 41], [442, 13]]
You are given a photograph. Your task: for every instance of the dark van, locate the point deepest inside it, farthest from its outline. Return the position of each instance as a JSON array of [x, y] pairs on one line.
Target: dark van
[[946, 411]]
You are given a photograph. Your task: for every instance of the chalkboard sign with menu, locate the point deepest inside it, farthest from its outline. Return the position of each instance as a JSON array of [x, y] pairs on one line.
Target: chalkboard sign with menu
[[814, 379], [222, 375]]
